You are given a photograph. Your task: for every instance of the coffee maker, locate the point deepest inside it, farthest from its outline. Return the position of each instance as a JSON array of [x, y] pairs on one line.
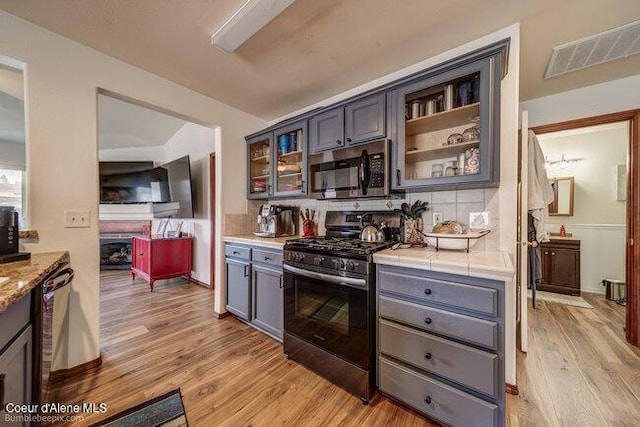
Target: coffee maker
[[275, 221], [9, 236]]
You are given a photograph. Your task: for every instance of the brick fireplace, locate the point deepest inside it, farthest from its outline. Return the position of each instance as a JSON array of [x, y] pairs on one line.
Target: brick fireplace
[[115, 242]]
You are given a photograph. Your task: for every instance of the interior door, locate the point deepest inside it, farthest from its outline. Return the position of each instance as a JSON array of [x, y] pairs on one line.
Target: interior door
[[522, 260]]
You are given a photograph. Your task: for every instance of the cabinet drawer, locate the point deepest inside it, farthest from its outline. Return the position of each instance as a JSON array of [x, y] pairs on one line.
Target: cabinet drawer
[[237, 251], [466, 328], [474, 368], [467, 297], [13, 319], [435, 399], [267, 257]]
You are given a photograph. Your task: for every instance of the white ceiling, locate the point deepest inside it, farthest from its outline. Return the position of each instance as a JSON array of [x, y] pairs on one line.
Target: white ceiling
[[317, 49], [125, 125]]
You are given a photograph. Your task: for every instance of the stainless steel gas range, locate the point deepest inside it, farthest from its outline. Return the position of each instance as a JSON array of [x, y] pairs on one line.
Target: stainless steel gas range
[[329, 302]]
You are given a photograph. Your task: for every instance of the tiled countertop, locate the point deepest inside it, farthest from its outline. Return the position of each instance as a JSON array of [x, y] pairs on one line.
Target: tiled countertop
[[25, 275], [487, 264], [267, 242]]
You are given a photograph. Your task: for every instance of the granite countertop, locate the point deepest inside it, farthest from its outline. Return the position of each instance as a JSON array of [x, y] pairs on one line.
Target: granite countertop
[[487, 264], [25, 275], [267, 242]]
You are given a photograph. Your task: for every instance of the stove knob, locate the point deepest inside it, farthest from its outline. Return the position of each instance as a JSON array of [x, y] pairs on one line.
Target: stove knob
[[342, 264], [350, 266]]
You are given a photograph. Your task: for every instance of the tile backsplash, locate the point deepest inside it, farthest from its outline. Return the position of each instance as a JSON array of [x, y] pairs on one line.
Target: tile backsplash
[[454, 205]]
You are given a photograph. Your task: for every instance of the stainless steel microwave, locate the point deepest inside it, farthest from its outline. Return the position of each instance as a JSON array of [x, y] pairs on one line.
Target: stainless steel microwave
[[353, 172]]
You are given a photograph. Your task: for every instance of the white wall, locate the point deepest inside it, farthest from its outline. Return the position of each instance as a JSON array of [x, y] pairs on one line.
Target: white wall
[[62, 78], [197, 142], [601, 149], [154, 154], [609, 97]]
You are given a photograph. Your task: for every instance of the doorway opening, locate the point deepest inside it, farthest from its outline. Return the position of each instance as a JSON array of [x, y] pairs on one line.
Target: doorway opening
[[606, 218]]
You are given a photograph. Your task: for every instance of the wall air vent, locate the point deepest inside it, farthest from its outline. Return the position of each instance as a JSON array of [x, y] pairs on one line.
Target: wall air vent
[[612, 44]]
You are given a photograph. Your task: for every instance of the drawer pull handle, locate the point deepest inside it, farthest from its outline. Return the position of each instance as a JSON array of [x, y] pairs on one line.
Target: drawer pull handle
[[427, 320], [427, 356], [236, 253], [427, 400], [427, 291], [267, 258]]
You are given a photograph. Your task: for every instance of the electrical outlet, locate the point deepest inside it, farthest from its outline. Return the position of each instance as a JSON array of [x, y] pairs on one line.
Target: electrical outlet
[[437, 217], [77, 218]]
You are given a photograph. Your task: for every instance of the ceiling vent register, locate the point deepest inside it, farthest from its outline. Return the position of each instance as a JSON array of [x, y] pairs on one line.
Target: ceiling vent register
[[615, 43]]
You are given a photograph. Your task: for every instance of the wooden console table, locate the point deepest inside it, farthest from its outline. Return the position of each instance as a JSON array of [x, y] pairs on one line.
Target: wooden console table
[[155, 259]]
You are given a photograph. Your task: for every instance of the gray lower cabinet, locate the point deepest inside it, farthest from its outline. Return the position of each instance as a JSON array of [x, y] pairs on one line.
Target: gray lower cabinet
[[238, 287], [254, 286], [267, 299], [441, 344], [16, 366]]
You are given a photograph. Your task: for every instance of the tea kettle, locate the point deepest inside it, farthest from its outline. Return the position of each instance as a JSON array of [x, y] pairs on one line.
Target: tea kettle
[[371, 233]]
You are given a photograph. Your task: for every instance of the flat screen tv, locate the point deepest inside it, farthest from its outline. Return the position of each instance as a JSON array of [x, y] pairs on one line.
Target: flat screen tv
[[126, 182], [171, 186]]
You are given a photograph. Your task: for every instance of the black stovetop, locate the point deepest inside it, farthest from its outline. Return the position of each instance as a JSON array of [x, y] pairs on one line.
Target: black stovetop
[[336, 245]]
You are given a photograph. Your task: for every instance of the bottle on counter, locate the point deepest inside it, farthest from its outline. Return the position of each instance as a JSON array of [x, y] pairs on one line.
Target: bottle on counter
[[563, 231]]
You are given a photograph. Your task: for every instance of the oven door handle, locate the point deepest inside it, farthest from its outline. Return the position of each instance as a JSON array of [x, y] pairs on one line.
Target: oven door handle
[[338, 280]]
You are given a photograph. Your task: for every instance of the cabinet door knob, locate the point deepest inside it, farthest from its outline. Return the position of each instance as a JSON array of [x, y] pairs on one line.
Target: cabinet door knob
[[348, 139], [338, 142], [427, 291], [427, 356], [546, 253], [553, 253], [427, 400], [236, 253], [427, 320]]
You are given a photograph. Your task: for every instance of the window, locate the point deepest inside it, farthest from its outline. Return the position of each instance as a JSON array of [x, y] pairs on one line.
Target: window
[[11, 191]]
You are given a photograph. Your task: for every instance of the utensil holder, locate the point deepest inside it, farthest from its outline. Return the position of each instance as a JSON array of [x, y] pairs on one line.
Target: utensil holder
[[412, 231], [308, 228]]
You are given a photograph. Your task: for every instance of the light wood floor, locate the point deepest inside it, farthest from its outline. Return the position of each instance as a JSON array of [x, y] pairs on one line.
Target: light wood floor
[[229, 374], [579, 371]]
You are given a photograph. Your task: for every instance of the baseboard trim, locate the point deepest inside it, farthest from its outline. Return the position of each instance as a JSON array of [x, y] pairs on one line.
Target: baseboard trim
[[512, 389], [199, 283], [221, 315], [63, 374]]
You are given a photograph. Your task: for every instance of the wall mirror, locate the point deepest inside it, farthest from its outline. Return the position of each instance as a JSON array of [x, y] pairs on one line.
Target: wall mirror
[[562, 196]]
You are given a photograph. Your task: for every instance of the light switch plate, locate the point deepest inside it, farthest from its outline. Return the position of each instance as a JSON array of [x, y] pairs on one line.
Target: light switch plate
[[77, 218]]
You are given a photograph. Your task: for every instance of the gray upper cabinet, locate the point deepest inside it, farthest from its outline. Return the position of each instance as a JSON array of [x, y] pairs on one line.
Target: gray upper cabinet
[[259, 168], [326, 131], [277, 164], [365, 119], [290, 161], [447, 127]]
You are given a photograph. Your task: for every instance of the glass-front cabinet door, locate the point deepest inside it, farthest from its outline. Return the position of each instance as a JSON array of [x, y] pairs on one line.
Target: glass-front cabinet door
[[290, 164], [259, 148], [448, 128]]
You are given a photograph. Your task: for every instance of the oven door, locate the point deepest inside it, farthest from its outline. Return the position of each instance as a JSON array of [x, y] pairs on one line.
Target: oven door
[[330, 312]]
